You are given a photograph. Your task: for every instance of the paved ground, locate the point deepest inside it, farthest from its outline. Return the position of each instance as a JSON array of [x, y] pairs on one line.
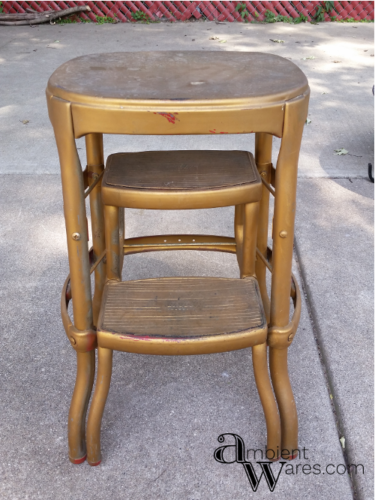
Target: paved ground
[[164, 414]]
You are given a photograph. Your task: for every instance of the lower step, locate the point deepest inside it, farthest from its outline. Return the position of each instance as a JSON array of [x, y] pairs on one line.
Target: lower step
[[181, 315]]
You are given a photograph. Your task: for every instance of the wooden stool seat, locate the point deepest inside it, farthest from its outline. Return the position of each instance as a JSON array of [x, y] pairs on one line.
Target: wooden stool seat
[[181, 179], [181, 315]]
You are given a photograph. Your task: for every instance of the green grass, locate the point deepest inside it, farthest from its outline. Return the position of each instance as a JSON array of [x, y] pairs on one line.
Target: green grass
[[270, 17], [99, 20], [105, 20]]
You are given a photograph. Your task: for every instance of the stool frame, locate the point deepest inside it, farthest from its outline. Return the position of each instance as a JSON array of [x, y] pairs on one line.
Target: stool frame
[[72, 117]]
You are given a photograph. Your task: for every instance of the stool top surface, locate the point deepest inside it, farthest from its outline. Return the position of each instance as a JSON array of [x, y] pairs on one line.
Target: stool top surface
[[178, 76]]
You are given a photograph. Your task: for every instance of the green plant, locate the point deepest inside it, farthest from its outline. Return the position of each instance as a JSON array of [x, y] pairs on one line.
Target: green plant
[[67, 20], [319, 14], [320, 11], [270, 17], [300, 19], [352, 20], [1, 7], [141, 16], [241, 9], [105, 19]]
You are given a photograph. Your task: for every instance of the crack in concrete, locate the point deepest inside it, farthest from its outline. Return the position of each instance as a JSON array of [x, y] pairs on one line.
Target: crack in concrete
[[324, 364]]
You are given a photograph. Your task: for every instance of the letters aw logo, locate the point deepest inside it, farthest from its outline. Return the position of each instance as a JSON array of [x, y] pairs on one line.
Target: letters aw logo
[[239, 457]]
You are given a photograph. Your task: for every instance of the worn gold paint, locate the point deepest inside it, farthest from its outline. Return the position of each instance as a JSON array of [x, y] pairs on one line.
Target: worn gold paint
[[282, 113]]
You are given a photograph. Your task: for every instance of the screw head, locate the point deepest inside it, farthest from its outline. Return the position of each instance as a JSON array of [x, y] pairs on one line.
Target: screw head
[[76, 236], [283, 234], [290, 337], [73, 340], [263, 174]]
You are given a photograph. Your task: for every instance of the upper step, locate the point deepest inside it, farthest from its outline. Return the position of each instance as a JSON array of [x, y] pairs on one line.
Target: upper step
[[181, 179]]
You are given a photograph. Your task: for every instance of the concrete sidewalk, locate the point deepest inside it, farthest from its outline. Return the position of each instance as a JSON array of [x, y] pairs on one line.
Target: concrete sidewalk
[[164, 414]]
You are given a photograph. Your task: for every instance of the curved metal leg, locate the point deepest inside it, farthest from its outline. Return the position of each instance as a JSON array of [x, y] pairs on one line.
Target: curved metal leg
[[282, 255], [77, 239], [103, 380], [268, 401], [78, 406], [285, 401]]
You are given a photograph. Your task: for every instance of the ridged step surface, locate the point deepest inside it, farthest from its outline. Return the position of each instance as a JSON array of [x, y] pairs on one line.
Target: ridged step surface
[[181, 307]]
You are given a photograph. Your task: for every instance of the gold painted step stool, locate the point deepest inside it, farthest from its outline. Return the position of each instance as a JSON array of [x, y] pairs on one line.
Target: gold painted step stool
[[181, 93]]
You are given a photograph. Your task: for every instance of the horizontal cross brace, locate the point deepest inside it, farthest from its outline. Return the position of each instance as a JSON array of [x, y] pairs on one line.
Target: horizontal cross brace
[[179, 242]]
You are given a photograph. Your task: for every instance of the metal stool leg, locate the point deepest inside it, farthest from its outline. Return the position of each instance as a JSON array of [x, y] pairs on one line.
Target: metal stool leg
[[114, 241], [103, 382], [286, 403], [121, 231], [268, 401], [283, 236], [238, 232], [250, 213], [114, 236], [76, 231], [78, 406], [263, 159], [95, 166], [250, 226]]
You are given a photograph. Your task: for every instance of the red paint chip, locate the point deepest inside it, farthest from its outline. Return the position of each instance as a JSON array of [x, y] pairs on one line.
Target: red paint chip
[[78, 460], [95, 463]]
